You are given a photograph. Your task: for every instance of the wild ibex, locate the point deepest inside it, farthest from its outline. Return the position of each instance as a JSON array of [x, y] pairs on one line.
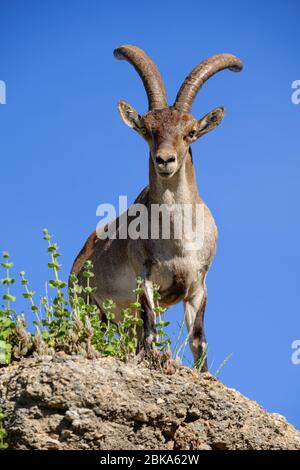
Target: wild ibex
[[170, 263]]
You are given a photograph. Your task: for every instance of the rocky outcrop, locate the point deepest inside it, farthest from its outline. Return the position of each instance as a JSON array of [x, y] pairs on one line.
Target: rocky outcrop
[[66, 402]]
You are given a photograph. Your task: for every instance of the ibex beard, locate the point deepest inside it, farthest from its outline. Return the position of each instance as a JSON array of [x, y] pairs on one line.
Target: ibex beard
[[168, 262]]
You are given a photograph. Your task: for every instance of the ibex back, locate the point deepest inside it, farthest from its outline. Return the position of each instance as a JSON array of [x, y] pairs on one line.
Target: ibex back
[[170, 263]]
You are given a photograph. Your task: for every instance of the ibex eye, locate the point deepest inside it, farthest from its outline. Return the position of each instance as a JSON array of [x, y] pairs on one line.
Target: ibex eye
[[192, 134], [143, 130]]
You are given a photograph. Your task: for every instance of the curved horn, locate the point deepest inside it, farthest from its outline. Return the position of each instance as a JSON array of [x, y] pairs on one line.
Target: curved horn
[[200, 74], [148, 72]]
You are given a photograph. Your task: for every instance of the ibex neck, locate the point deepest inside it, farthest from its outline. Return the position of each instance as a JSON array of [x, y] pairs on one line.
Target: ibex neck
[[181, 188]]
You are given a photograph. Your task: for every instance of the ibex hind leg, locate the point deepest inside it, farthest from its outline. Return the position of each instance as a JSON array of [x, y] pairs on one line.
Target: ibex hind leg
[[194, 310]]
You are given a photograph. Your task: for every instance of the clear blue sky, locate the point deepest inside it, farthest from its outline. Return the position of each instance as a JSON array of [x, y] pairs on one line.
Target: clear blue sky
[[64, 150]]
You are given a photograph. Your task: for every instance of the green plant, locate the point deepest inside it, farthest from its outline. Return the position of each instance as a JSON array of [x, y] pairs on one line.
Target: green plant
[[163, 340], [78, 328], [3, 433], [73, 323], [180, 343], [85, 318], [223, 364], [7, 313], [58, 315], [28, 294], [127, 328], [106, 336]]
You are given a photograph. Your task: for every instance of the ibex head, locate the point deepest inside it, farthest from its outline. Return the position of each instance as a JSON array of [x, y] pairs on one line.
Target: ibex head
[[170, 130]]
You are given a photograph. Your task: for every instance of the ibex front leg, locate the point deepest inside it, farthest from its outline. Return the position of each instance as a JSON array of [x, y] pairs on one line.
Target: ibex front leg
[[147, 334], [194, 310]]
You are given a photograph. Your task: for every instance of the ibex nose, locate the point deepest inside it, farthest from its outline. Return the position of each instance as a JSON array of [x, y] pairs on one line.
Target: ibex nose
[[165, 160]]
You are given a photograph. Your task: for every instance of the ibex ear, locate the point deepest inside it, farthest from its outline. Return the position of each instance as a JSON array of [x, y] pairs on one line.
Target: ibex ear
[[129, 115], [210, 121]]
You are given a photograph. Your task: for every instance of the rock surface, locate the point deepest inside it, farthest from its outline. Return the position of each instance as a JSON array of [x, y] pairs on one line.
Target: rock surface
[[76, 403]]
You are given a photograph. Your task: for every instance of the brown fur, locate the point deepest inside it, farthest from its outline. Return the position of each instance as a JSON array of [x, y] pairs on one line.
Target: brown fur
[[85, 253]]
